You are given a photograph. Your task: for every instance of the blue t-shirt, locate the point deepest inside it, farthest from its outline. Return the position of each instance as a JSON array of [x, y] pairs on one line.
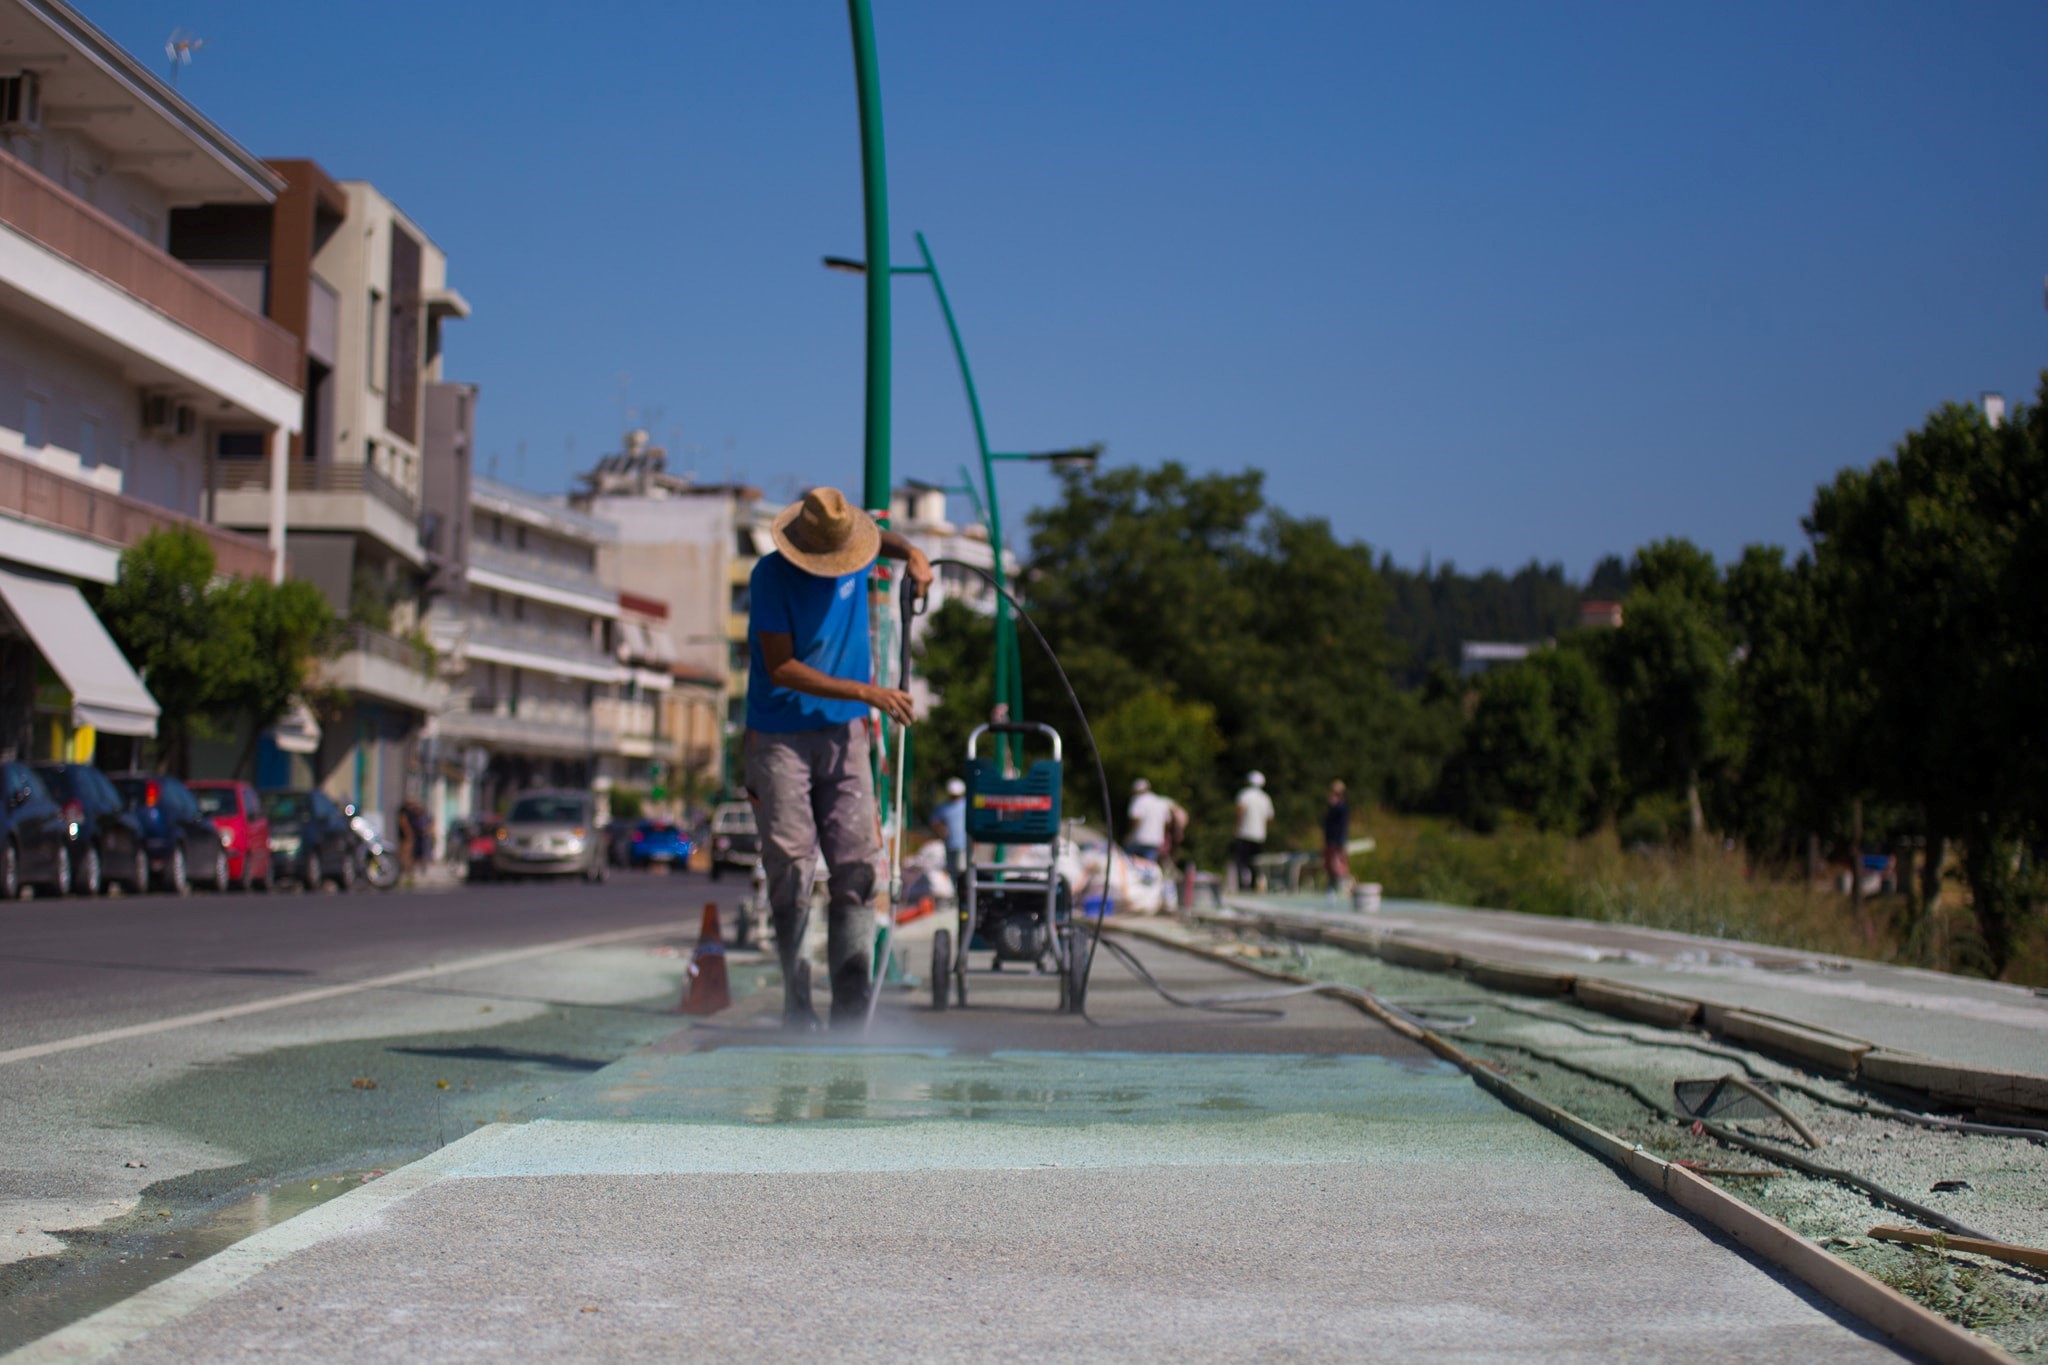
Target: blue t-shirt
[[827, 622]]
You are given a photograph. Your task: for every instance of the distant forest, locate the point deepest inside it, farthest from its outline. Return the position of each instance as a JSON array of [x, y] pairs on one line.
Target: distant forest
[[1436, 608]]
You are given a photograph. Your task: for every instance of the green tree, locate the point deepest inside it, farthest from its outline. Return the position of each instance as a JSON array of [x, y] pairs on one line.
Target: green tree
[[1923, 561], [161, 612], [1668, 664], [1541, 741], [212, 653], [273, 635]]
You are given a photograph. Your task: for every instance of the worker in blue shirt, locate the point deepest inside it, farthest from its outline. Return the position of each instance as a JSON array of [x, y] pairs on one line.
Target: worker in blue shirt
[[810, 688]]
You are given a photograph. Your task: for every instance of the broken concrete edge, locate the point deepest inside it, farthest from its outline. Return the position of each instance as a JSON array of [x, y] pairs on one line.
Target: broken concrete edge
[[121, 1324], [2016, 1094], [1859, 1294]]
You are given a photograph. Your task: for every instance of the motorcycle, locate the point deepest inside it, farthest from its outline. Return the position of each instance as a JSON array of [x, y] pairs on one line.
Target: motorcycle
[[378, 864]]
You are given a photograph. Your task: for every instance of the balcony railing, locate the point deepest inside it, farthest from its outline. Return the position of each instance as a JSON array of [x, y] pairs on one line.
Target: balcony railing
[[568, 646], [316, 476], [37, 494], [41, 209], [386, 646], [538, 568]]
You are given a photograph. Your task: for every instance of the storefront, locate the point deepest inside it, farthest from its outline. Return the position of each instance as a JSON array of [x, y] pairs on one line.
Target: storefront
[[65, 689]]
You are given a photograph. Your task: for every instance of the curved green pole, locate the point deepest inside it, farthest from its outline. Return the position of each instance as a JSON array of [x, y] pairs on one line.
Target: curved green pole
[[875, 193], [1008, 681]]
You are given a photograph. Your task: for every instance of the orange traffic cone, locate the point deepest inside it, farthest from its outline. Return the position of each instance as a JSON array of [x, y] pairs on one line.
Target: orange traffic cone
[[708, 991]]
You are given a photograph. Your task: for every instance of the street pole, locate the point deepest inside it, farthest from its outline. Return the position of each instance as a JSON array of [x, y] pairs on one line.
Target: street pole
[[875, 194], [1008, 684]]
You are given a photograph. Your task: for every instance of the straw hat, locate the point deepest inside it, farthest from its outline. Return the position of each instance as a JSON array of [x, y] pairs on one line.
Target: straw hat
[[826, 535]]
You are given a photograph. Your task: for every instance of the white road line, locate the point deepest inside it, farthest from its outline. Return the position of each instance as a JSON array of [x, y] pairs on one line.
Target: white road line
[[375, 983]]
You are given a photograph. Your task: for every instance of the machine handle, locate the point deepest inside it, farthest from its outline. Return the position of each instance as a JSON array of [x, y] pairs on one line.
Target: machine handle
[[1015, 727]]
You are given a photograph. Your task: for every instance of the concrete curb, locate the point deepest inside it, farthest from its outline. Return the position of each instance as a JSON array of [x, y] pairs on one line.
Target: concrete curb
[[2007, 1094], [1842, 1284]]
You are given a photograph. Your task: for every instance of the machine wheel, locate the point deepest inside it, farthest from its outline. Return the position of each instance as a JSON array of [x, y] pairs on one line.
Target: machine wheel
[[138, 877], [60, 884], [942, 968], [220, 872], [382, 870], [10, 872], [345, 873], [311, 880]]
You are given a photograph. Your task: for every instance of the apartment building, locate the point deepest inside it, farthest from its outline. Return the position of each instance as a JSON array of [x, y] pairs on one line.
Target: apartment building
[[364, 290], [121, 364], [531, 645], [691, 547]]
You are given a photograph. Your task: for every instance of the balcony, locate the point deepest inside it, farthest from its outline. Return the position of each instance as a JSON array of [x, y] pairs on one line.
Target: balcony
[[542, 649], [51, 216], [35, 494], [321, 495], [529, 727], [542, 577], [376, 664]]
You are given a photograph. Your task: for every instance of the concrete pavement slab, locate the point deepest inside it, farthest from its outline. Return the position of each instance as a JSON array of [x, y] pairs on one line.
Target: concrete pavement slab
[[938, 1195]]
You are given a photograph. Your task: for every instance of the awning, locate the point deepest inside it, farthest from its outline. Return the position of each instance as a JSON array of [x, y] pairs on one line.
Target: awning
[[296, 731], [105, 693]]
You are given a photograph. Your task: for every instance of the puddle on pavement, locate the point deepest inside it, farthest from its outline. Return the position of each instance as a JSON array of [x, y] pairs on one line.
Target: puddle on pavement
[[107, 1264], [784, 1085]]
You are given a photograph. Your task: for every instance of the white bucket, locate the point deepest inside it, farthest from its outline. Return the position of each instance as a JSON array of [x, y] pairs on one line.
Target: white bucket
[[1365, 898]]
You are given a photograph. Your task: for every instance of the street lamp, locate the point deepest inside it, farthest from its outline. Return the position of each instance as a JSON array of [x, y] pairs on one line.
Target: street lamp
[[1009, 685]]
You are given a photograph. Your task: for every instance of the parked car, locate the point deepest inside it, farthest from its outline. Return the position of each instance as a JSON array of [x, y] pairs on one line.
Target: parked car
[[310, 839], [106, 839], [735, 842], [657, 841], [35, 845], [182, 843], [237, 812], [549, 833]]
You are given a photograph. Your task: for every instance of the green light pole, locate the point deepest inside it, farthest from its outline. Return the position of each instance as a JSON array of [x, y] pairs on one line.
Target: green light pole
[[875, 197], [1009, 683]]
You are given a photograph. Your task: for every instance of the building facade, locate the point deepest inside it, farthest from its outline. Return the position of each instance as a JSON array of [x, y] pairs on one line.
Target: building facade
[[121, 364], [530, 647], [365, 291]]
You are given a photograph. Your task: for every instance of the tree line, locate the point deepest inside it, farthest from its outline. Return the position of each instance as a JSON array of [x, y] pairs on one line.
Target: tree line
[[1880, 685]]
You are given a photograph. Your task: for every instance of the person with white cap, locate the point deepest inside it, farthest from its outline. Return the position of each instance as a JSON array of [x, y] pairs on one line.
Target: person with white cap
[[1254, 813], [810, 685], [1152, 818], [950, 820]]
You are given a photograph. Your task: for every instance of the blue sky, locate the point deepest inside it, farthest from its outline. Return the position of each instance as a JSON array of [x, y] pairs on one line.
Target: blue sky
[[1486, 281]]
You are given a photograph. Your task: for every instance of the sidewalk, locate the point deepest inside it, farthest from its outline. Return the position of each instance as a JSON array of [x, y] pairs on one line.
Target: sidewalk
[[999, 1181], [1958, 1039]]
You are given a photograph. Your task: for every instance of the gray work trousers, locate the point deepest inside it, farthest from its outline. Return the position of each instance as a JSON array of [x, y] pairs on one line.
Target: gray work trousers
[[817, 797]]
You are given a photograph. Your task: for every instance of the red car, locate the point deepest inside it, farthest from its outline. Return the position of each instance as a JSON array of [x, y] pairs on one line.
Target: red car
[[237, 812]]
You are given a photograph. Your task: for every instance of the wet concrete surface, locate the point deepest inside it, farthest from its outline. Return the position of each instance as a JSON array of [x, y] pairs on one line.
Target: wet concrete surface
[[126, 1161], [1003, 1182]]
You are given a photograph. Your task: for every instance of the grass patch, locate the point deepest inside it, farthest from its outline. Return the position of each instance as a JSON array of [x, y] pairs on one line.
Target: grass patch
[[1709, 891]]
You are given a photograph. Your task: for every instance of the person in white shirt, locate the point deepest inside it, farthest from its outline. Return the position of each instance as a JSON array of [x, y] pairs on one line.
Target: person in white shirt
[[1151, 817], [1254, 813]]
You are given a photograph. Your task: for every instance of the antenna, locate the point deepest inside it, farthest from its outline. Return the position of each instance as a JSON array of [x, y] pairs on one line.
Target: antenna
[[179, 47]]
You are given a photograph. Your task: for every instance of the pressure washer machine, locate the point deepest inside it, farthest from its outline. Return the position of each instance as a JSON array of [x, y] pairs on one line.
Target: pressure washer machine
[[1016, 912]]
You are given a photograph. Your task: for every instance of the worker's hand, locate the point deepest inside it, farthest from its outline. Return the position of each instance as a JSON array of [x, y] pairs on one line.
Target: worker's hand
[[896, 705], [920, 570]]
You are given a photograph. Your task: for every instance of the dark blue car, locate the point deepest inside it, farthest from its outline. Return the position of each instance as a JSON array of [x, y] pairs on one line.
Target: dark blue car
[[658, 841]]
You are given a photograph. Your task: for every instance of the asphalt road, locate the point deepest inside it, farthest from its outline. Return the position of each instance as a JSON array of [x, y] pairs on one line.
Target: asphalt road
[[268, 1049]]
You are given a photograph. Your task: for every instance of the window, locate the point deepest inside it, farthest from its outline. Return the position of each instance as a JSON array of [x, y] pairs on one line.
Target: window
[[239, 445], [32, 414], [373, 347], [88, 441]]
